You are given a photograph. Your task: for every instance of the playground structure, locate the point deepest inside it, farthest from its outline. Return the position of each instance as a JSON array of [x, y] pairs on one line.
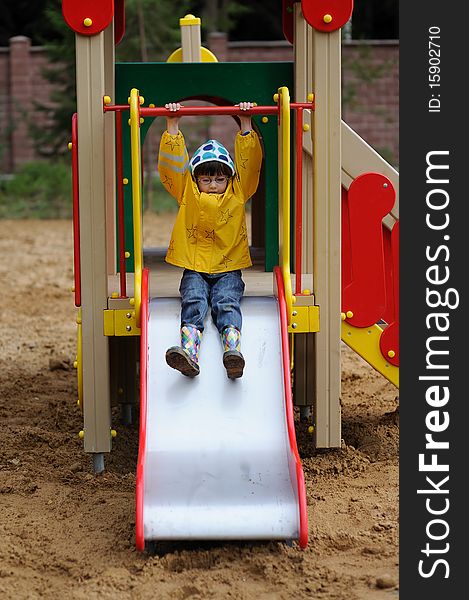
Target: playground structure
[[335, 244]]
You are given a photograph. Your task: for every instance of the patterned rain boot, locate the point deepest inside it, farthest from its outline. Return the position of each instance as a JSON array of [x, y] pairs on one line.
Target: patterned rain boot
[[233, 360], [185, 358]]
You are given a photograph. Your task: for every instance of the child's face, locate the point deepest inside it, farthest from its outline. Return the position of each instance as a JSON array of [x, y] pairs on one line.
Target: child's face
[[215, 184]]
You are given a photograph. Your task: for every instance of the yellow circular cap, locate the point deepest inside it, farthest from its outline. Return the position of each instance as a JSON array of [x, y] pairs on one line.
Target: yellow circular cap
[[113, 433], [78, 402], [265, 119], [327, 18], [128, 122], [127, 254], [72, 289], [81, 434], [87, 22], [342, 316], [349, 314], [75, 364], [131, 301], [115, 295], [107, 99], [141, 99], [391, 353], [306, 127], [275, 97], [310, 429], [190, 20], [69, 145], [125, 181], [78, 321], [151, 105], [142, 119], [306, 292], [310, 97]]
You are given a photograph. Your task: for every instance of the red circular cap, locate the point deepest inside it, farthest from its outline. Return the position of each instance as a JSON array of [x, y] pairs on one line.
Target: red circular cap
[[88, 17], [327, 15]]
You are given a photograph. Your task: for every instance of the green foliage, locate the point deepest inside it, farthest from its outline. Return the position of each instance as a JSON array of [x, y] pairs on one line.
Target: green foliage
[[40, 190], [151, 30]]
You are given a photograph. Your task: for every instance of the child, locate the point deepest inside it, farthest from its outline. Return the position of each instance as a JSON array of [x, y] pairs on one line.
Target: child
[[209, 238]]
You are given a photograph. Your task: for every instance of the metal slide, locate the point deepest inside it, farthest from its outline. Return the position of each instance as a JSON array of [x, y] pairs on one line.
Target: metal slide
[[217, 459]]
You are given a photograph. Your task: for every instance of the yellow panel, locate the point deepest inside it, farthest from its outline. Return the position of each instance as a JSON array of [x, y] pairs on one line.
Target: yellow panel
[[365, 342], [205, 54], [313, 318], [108, 320], [120, 323], [305, 319]]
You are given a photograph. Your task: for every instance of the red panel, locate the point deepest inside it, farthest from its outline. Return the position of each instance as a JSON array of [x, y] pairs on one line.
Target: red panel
[[287, 19], [390, 309], [100, 13], [139, 536], [346, 250], [370, 197], [390, 337], [314, 12], [119, 21]]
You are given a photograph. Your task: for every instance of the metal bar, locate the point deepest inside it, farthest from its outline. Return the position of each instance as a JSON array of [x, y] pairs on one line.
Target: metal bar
[[299, 198], [208, 110], [120, 205], [284, 193], [136, 199], [76, 212]]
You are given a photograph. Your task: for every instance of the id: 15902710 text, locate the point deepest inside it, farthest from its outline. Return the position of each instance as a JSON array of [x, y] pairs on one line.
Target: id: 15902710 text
[[434, 70]]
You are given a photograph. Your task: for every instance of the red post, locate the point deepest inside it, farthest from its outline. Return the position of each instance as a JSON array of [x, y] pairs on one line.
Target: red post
[[299, 197], [76, 212], [120, 204]]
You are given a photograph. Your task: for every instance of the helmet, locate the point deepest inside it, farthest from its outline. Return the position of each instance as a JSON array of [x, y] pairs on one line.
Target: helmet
[[211, 150]]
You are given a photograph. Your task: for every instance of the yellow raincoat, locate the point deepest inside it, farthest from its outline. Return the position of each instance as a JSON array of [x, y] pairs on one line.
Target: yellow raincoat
[[210, 233]]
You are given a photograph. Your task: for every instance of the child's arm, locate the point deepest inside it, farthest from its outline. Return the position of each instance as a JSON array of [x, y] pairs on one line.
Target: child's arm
[[173, 159], [172, 123], [248, 155], [245, 121]]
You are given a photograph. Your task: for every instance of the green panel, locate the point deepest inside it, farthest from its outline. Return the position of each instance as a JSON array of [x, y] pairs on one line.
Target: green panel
[[160, 83]]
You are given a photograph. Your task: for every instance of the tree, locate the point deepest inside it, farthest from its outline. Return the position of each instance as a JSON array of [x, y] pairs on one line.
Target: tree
[[51, 136]]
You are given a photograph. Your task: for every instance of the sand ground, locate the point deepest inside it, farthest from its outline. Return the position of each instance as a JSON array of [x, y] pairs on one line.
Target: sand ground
[[67, 533]]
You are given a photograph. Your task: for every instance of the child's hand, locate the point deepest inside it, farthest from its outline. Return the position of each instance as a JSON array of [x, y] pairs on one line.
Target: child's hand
[[172, 123], [246, 105], [173, 106], [245, 121]]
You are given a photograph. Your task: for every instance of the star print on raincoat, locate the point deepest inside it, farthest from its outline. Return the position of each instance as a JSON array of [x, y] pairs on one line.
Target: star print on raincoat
[[210, 233]]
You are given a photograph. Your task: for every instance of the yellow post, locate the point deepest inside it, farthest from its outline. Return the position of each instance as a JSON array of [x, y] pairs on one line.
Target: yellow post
[[136, 199], [284, 194], [190, 39]]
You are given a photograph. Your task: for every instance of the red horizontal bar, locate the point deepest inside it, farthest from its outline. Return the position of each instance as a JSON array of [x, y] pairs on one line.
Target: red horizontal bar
[[160, 111]]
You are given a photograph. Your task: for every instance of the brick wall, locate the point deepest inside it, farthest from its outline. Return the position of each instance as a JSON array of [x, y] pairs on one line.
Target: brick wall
[[370, 91], [21, 86], [370, 94]]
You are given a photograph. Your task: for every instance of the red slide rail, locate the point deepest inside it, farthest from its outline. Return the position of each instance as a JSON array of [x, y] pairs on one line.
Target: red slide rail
[[140, 487], [302, 504]]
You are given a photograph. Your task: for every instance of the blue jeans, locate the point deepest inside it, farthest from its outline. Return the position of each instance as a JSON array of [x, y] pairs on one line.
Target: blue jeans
[[221, 291]]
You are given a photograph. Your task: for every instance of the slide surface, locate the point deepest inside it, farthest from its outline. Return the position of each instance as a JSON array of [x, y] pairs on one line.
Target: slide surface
[[218, 462]]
